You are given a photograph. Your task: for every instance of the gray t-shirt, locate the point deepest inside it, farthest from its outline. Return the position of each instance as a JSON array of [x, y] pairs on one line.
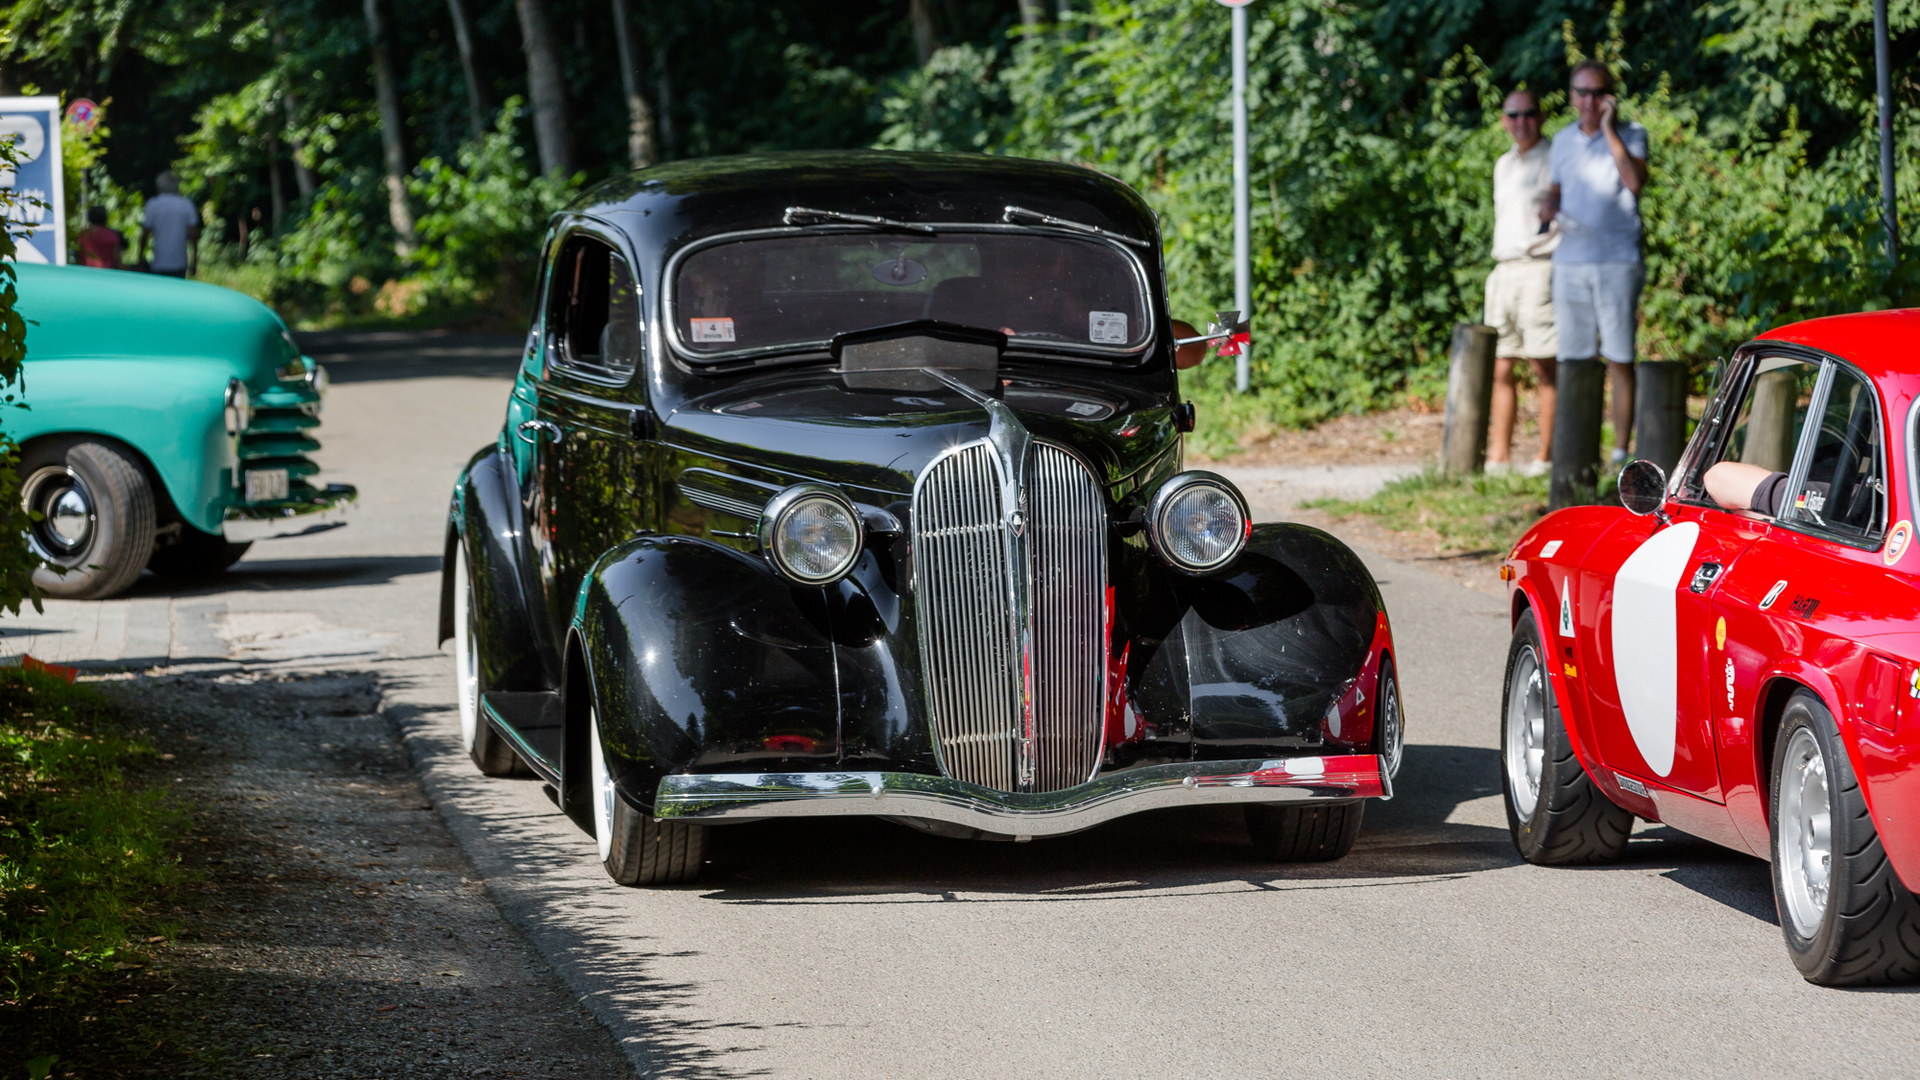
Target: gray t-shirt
[[1599, 218], [168, 218]]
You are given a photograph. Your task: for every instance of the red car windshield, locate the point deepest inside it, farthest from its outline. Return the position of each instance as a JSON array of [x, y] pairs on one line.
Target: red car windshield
[[795, 292]]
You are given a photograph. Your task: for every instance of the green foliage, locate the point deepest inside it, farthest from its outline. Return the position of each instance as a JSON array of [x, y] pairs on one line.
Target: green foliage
[[80, 848], [958, 101], [1480, 515], [17, 561]]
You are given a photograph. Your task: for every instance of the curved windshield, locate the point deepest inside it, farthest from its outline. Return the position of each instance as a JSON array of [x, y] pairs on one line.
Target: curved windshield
[[792, 292]]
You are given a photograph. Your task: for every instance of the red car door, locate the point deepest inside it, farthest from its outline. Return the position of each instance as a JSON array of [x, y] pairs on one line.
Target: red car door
[[1653, 632]]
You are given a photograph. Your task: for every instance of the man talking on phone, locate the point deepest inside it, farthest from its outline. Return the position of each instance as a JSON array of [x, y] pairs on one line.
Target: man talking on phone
[[1599, 170]]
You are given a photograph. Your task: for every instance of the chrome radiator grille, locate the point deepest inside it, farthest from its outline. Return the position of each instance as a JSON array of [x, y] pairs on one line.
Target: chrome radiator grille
[[980, 629]]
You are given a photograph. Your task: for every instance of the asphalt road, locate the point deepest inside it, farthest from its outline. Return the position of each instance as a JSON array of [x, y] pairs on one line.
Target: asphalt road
[[1153, 946]]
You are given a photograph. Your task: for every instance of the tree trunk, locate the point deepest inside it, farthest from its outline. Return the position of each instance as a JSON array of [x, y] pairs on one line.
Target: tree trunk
[[544, 88], [663, 99], [640, 123], [922, 19], [477, 111], [1032, 14], [302, 175], [278, 193], [392, 135]]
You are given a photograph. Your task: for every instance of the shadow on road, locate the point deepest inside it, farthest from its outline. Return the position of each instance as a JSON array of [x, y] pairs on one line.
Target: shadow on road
[[354, 356], [289, 574]]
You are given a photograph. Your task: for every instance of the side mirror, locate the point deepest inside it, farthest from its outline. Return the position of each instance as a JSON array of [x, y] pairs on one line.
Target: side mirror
[[1643, 487]]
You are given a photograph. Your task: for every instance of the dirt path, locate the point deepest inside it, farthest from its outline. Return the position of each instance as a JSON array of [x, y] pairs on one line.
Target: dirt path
[[337, 929]]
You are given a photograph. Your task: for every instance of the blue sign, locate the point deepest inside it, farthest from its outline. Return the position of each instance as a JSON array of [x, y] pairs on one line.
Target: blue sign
[[38, 217]]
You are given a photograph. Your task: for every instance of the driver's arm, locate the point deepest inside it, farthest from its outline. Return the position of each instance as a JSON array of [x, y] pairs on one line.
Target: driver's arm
[[1738, 486], [1187, 356]]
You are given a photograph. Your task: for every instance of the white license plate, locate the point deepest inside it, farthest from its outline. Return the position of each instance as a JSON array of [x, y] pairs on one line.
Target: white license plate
[[266, 485]]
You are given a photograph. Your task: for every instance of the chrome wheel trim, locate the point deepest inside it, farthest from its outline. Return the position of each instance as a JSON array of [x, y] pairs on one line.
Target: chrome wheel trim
[[466, 651], [603, 794], [1803, 837], [68, 515], [1526, 734], [1392, 736]]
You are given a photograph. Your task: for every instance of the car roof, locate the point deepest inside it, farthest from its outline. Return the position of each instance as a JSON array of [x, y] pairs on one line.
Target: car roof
[[1880, 343], [683, 201]]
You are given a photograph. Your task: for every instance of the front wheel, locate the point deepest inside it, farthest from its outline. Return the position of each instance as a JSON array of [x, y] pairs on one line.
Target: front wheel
[[1558, 816], [96, 518], [1317, 832], [635, 848], [1846, 916]]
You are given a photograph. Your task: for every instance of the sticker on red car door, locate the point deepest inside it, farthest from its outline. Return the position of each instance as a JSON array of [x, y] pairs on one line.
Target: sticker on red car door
[[1646, 644]]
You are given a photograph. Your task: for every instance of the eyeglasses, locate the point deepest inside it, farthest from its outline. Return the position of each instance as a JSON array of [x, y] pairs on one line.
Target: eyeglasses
[[1593, 91], [1515, 114]]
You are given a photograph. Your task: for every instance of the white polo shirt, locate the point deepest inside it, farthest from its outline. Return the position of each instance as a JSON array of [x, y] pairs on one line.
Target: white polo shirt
[[1599, 216], [1520, 184]]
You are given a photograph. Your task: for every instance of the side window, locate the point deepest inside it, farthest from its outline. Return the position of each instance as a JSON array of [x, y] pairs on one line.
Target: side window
[[1764, 425], [593, 314], [1843, 491]]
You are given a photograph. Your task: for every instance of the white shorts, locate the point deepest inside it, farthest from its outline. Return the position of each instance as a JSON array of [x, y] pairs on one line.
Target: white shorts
[[1596, 307], [1520, 308]]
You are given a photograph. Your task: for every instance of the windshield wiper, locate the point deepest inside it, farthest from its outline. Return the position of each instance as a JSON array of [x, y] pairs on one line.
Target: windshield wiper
[[804, 215], [1014, 215]]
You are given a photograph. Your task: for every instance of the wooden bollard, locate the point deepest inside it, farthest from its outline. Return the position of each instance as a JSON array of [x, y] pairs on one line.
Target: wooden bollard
[[1576, 433], [1463, 442], [1660, 411]]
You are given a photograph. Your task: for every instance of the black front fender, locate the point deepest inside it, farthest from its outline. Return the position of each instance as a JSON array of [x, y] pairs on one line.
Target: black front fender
[[1248, 662], [517, 647], [701, 660]]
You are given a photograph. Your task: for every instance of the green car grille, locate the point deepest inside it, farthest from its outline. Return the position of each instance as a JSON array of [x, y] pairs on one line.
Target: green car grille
[[280, 439]]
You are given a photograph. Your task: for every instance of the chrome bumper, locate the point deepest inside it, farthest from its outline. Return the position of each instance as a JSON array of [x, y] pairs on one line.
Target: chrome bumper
[[730, 797], [326, 510]]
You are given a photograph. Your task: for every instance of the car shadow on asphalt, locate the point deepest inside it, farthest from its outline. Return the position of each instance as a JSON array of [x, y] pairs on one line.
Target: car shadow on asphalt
[[274, 574], [352, 356]]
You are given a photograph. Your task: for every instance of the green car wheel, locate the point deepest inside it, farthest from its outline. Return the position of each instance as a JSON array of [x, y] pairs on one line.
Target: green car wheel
[[95, 517]]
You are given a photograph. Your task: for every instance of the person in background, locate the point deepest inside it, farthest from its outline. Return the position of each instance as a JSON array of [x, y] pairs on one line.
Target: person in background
[[1520, 289], [100, 246], [1599, 170], [173, 222]]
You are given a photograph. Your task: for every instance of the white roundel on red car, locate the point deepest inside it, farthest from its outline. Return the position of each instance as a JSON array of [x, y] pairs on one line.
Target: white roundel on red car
[[1646, 643]]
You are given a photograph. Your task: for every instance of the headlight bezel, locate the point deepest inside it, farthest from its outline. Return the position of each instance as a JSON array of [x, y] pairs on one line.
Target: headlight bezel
[[783, 506], [1162, 504]]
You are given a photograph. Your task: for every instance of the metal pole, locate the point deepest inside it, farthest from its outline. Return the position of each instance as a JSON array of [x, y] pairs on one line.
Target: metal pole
[[1242, 256], [1883, 74]]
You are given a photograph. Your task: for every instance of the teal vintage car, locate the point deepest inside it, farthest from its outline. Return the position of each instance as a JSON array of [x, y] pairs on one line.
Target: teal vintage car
[[169, 425]]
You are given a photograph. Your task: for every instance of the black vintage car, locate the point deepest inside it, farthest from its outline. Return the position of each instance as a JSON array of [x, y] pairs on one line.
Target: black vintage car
[[852, 484]]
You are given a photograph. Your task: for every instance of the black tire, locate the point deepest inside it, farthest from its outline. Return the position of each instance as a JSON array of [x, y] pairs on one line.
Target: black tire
[[492, 754], [1570, 821], [635, 848], [1315, 832], [195, 555], [1865, 924], [106, 537]]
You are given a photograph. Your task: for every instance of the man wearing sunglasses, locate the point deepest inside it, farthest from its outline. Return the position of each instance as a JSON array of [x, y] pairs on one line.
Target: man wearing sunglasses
[[1599, 169], [1520, 289]]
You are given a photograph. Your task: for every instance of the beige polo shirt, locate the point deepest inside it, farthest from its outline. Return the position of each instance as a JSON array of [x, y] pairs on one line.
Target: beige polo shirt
[[1520, 183]]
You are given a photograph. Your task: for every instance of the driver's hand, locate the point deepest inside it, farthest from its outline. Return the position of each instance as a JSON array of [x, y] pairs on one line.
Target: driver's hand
[[1187, 356]]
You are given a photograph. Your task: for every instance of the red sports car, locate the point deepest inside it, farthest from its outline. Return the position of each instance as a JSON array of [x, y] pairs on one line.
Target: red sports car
[[1739, 656]]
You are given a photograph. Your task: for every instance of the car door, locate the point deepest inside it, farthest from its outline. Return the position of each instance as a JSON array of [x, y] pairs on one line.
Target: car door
[[1654, 717], [591, 430]]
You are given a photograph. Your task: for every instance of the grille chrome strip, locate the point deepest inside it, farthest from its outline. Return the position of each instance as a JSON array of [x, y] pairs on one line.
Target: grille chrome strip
[[1068, 567]]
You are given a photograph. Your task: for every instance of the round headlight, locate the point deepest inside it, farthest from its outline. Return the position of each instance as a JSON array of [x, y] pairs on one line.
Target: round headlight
[[811, 534], [238, 407], [1198, 522]]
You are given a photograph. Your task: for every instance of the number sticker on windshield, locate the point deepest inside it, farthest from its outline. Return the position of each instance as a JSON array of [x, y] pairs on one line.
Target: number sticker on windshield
[[1107, 327], [712, 329]]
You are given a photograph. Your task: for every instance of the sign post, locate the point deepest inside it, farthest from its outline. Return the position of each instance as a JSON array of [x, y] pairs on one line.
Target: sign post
[[1242, 244], [39, 220], [1883, 78]]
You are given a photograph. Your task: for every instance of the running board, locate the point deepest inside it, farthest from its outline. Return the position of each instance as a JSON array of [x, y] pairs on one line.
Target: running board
[[532, 722]]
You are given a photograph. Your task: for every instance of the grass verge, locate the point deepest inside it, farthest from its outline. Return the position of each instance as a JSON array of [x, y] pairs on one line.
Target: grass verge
[[85, 850], [1456, 515]]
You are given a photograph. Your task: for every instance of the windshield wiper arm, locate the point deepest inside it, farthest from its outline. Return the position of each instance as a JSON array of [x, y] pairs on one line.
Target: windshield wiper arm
[[1014, 215], [805, 215]]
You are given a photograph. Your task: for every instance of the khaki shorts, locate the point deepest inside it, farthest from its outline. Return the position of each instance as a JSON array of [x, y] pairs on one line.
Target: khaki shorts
[[1520, 308]]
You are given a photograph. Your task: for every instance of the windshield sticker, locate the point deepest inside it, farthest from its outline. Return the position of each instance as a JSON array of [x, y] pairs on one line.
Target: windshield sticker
[[1897, 542], [712, 329], [1085, 408], [1107, 327]]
